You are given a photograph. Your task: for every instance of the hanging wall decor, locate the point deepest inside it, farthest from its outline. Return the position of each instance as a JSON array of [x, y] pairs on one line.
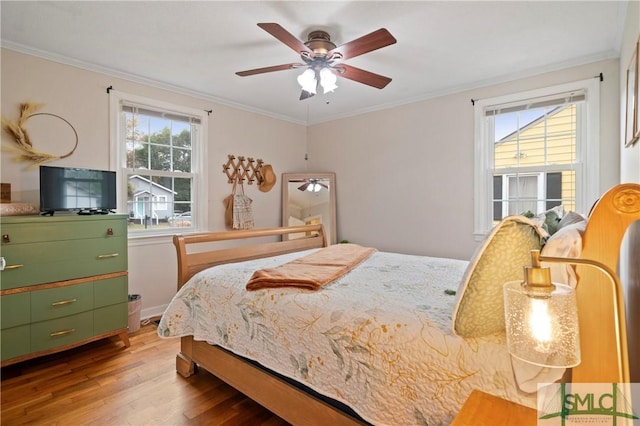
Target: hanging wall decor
[[25, 149], [242, 168]]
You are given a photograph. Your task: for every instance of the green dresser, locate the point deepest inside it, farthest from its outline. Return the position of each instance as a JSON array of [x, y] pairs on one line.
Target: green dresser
[[64, 283]]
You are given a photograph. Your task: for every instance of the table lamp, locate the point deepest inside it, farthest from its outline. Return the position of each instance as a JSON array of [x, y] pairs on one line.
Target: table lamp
[[541, 317]]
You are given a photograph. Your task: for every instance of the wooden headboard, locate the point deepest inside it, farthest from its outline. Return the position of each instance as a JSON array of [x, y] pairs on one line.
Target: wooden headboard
[[190, 263], [608, 222]]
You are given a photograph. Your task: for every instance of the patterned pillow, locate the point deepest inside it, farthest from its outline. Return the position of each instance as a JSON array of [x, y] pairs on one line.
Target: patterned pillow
[[506, 250]]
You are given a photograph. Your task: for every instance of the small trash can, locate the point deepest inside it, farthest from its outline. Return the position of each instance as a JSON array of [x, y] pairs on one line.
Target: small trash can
[[135, 303]]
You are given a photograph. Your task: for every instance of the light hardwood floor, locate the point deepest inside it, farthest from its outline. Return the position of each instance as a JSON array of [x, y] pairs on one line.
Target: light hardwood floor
[[103, 383]]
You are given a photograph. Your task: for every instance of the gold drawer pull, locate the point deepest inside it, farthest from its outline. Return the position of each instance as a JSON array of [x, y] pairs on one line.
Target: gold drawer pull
[[107, 256], [62, 333], [64, 302], [13, 266]]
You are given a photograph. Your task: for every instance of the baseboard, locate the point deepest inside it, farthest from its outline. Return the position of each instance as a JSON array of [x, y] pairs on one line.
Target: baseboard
[[152, 312]]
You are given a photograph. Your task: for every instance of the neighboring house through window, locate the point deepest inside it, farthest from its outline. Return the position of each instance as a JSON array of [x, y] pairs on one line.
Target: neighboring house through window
[[159, 149], [536, 150]]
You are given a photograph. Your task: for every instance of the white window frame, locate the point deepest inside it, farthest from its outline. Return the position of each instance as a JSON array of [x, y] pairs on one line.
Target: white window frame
[[587, 150], [118, 160]]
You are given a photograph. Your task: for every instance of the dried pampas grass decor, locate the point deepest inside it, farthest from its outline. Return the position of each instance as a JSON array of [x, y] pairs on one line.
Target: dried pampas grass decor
[[25, 149]]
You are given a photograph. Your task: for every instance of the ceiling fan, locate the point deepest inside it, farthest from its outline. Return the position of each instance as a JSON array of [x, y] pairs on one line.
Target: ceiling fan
[[323, 59], [311, 185]]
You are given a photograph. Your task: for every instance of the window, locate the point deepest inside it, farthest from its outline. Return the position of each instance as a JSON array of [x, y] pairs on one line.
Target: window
[[159, 149], [536, 150]]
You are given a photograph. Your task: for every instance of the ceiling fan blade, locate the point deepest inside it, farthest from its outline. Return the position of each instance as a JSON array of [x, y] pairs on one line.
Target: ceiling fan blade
[[304, 186], [361, 76], [372, 41], [285, 37], [305, 95], [269, 69]]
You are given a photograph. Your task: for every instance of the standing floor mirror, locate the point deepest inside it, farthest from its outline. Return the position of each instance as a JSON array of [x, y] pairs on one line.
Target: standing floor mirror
[[309, 198]]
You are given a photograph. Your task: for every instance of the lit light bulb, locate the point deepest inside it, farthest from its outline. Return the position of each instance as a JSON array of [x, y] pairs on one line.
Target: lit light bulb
[[307, 80], [540, 323], [328, 80]]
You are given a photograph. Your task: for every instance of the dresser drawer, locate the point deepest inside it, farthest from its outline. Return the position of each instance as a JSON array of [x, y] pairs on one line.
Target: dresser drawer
[[37, 263], [110, 292], [25, 230], [15, 309], [15, 341], [110, 318], [62, 331], [61, 301]]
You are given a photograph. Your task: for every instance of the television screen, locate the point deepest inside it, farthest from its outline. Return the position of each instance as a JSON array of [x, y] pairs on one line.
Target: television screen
[[84, 190]]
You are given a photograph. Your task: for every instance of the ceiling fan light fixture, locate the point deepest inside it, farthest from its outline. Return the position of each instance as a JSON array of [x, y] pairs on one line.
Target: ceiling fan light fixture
[[328, 80], [307, 80], [313, 186]]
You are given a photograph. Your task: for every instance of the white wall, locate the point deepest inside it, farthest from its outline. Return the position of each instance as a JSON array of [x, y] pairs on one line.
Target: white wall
[[80, 97], [629, 157], [404, 176]]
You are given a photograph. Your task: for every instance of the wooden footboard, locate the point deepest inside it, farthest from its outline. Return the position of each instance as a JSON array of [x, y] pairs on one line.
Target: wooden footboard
[[285, 400]]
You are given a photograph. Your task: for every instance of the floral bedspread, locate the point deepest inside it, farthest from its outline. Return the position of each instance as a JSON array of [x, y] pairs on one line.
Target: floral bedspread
[[379, 339]]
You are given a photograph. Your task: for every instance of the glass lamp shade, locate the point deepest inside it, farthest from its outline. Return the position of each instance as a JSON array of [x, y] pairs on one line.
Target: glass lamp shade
[[542, 327], [307, 80], [328, 80]]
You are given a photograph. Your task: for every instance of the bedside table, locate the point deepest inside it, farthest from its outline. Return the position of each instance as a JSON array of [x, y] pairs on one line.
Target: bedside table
[[482, 409]]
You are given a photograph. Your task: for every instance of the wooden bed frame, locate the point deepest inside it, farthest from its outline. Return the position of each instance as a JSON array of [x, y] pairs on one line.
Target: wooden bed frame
[[601, 362]]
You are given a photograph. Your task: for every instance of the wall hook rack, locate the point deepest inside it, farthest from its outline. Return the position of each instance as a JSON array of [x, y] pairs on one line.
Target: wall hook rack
[[243, 168]]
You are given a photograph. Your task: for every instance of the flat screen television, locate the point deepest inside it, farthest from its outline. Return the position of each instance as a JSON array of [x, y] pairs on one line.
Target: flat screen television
[[72, 189]]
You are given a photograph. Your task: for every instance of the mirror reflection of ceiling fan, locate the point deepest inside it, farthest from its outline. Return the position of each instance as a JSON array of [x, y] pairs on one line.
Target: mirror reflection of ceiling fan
[[311, 185], [322, 59]]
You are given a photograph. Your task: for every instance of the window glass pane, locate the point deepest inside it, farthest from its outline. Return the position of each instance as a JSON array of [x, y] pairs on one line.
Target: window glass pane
[[522, 195], [140, 125], [181, 134], [181, 160], [159, 130], [160, 157], [182, 188], [505, 125], [151, 202], [568, 190], [561, 139]]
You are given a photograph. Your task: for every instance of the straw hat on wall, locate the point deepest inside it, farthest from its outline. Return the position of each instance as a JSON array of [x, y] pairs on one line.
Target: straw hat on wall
[[268, 178]]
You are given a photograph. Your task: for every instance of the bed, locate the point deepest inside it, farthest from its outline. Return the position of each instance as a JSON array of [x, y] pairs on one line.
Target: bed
[[399, 339]]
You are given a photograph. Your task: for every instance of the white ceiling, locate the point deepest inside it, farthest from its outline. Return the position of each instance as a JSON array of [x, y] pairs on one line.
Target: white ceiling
[[196, 47]]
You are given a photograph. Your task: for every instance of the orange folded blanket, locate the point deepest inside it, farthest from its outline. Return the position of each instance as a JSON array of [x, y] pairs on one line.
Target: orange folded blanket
[[312, 271]]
